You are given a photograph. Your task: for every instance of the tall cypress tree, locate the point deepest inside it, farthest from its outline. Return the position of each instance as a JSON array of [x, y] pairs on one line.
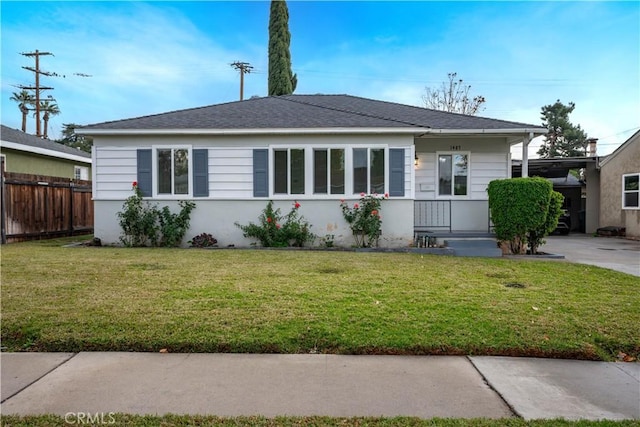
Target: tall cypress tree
[[282, 81]]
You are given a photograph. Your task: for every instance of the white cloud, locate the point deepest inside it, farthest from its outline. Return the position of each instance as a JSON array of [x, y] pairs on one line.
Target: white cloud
[[142, 61]]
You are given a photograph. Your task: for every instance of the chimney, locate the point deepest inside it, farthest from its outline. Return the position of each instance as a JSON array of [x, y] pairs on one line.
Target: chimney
[[591, 147]]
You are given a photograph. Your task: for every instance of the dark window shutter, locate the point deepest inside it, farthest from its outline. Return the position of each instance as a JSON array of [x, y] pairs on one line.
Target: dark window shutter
[[201, 173], [260, 173], [396, 172], [144, 166]]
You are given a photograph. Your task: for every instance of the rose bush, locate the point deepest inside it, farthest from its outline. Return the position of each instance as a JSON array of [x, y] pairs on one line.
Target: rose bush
[[364, 219], [275, 230]]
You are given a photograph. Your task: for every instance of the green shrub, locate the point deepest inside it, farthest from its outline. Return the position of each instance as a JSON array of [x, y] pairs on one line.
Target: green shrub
[[364, 219], [517, 206], [535, 236], [274, 230], [138, 221], [144, 224], [173, 227]]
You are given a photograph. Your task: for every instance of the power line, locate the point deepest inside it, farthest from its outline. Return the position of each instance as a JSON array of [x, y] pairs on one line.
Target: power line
[[37, 88], [244, 68]]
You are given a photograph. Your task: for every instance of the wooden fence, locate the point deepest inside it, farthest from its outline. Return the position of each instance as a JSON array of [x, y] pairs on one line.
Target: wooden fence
[[38, 207]]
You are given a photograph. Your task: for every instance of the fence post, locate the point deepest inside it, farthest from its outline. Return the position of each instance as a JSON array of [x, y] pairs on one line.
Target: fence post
[[70, 207], [2, 203]]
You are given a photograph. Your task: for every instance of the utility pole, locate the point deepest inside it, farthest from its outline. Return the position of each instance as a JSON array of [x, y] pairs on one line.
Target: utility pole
[[37, 88], [244, 68]]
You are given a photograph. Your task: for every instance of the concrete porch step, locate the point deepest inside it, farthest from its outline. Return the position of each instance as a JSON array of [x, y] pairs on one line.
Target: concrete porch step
[[474, 247]]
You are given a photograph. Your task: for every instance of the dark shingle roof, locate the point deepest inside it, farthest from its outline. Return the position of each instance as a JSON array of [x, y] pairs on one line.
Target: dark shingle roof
[[13, 135], [308, 111]]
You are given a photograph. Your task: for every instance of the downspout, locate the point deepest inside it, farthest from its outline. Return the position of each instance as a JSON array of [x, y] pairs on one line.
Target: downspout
[[525, 154]]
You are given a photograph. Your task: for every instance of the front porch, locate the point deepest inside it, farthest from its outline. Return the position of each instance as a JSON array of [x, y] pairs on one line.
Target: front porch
[[464, 226]]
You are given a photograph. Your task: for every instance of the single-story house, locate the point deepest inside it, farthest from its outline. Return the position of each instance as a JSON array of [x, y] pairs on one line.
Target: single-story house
[[232, 158], [620, 187], [25, 153]]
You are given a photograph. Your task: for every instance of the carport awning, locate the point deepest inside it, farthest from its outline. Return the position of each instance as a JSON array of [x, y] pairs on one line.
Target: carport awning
[[552, 168]]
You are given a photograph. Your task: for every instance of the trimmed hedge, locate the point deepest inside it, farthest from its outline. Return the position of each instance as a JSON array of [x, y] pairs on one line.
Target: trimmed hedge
[[535, 236], [520, 206]]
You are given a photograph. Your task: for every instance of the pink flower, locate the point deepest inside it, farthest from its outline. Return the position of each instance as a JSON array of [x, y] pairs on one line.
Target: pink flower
[[361, 194], [341, 201], [278, 226], [296, 205], [374, 212], [386, 195], [356, 206]]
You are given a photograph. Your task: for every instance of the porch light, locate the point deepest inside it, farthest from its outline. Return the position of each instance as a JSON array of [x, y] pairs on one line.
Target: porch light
[[415, 160]]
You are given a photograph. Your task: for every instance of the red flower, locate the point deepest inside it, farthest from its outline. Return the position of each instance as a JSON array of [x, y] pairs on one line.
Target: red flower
[[356, 206], [135, 183], [341, 201], [269, 219], [374, 212], [296, 205], [278, 226], [386, 195]]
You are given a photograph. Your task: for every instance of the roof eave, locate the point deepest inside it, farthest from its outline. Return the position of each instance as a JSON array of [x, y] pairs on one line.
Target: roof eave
[[536, 131], [311, 131], [45, 152]]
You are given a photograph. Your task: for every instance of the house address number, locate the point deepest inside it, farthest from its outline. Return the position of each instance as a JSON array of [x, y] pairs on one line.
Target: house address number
[[455, 147]]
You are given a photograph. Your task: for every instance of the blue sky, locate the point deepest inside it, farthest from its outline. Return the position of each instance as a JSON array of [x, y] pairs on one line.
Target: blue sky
[[153, 57]]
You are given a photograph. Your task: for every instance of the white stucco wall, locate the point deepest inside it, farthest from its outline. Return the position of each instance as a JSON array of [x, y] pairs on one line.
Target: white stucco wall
[[218, 218]]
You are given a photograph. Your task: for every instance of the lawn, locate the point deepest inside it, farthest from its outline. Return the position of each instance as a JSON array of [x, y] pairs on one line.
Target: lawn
[[185, 420], [286, 301]]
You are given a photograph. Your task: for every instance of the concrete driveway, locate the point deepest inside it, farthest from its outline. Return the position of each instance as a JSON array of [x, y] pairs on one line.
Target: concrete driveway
[[614, 253]]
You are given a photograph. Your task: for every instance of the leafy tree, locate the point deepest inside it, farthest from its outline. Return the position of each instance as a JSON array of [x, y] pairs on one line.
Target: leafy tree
[[282, 81], [563, 139], [453, 96], [24, 99], [72, 139], [48, 109]]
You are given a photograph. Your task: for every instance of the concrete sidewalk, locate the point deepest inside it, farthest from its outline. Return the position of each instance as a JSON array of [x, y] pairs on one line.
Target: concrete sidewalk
[[331, 385]]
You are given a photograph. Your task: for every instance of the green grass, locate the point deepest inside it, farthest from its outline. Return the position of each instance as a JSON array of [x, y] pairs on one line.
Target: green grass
[[75, 299], [185, 420]]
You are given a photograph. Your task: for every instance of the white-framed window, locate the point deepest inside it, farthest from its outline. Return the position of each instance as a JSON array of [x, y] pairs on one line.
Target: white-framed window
[[172, 166], [369, 170], [289, 171], [81, 172], [453, 174], [631, 191], [328, 171]]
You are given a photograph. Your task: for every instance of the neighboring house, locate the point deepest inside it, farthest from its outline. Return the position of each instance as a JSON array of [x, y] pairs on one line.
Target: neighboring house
[[620, 187], [28, 154], [315, 149]]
